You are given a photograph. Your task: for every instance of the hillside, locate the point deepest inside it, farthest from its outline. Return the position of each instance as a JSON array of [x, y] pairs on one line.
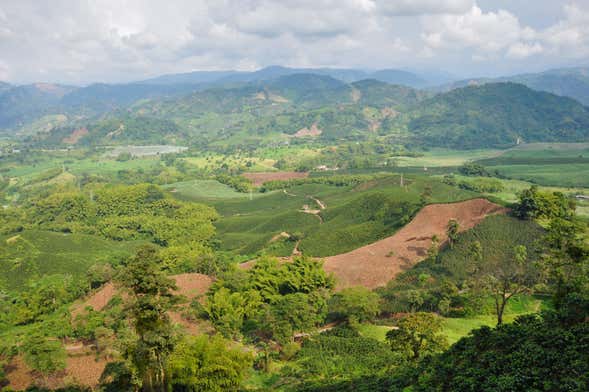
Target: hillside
[[497, 115], [568, 82]]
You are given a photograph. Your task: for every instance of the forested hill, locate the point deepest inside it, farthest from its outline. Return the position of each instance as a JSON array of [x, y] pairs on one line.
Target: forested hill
[[568, 82], [497, 115]]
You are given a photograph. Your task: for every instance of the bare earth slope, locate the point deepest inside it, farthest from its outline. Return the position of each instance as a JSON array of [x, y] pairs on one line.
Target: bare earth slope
[[376, 264]]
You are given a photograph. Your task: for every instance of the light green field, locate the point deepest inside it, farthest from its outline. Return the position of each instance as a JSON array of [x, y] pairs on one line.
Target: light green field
[[443, 157], [565, 175], [206, 189], [81, 166]]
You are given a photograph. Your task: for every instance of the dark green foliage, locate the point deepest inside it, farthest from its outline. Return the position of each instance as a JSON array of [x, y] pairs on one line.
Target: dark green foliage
[[239, 183], [417, 335], [473, 169], [496, 115], [534, 204], [334, 355], [355, 304], [44, 355], [151, 294], [208, 364], [532, 354], [271, 300]]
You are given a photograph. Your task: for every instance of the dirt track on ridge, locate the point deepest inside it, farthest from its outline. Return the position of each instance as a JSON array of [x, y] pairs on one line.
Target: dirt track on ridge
[[370, 266]]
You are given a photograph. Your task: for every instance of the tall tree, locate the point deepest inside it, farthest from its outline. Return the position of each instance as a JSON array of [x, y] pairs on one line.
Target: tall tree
[[506, 277], [452, 232], [151, 297], [416, 335]]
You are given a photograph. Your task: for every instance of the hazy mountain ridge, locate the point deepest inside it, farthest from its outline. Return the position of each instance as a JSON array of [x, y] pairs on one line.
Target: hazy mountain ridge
[[569, 82]]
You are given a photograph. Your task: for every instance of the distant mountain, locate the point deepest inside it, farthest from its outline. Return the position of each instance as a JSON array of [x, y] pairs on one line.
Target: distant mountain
[[395, 76], [4, 87], [568, 82], [21, 104], [196, 77], [497, 115], [100, 97], [224, 78]]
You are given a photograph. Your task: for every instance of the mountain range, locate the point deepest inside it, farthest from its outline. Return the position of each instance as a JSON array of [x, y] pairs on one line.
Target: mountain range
[[274, 103]]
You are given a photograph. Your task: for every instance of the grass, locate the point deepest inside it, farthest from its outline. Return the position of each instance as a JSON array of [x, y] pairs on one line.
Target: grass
[[205, 189], [442, 157], [456, 328], [555, 164], [373, 331], [35, 253]]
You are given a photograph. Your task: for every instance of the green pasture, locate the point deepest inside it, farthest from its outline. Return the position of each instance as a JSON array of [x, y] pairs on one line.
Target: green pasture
[[204, 190]]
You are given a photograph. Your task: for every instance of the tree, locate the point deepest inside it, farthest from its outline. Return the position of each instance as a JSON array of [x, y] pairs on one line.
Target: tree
[[506, 277], [534, 353], [452, 232], [355, 304], [566, 258], [534, 204], [151, 297], [434, 248], [208, 364], [416, 335], [42, 354], [227, 310]]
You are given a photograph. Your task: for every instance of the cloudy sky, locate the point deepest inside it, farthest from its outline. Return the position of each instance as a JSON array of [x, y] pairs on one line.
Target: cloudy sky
[[82, 41]]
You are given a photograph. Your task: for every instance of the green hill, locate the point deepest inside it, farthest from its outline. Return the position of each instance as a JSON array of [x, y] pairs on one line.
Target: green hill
[[497, 115]]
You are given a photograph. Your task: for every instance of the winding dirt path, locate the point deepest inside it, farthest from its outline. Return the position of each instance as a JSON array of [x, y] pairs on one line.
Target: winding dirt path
[[376, 264]]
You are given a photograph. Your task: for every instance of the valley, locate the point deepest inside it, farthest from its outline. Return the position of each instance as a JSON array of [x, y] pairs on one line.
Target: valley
[[292, 228]]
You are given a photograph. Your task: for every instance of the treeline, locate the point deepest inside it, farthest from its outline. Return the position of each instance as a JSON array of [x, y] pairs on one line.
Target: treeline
[[336, 180]]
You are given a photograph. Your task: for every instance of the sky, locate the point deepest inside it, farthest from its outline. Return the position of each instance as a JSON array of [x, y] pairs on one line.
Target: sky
[[85, 41]]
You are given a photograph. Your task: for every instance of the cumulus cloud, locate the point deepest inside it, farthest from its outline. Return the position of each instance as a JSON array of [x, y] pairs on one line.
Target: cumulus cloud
[[421, 7], [122, 40]]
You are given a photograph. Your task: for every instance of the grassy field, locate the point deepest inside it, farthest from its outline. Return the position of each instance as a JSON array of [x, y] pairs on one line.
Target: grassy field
[[554, 164], [80, 166], [445, 158], [456, 328], [205, 190], [35, 253]]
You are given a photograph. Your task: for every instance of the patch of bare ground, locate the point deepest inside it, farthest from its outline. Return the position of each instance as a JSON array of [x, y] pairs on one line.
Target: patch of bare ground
[[313, 131], [376, 264], [75, 136], [81, 369], [262, 177]]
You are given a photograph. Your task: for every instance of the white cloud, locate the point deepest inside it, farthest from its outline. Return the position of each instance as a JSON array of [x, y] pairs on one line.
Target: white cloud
[[521, 50], [423, 7], [121, 40], [482, 31]]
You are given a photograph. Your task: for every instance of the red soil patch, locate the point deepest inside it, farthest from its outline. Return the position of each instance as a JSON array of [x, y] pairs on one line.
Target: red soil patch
[[376, 264], [313, 131], [192, 285], [189, 285], [84, 370], [75, 136], [260, 178]]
